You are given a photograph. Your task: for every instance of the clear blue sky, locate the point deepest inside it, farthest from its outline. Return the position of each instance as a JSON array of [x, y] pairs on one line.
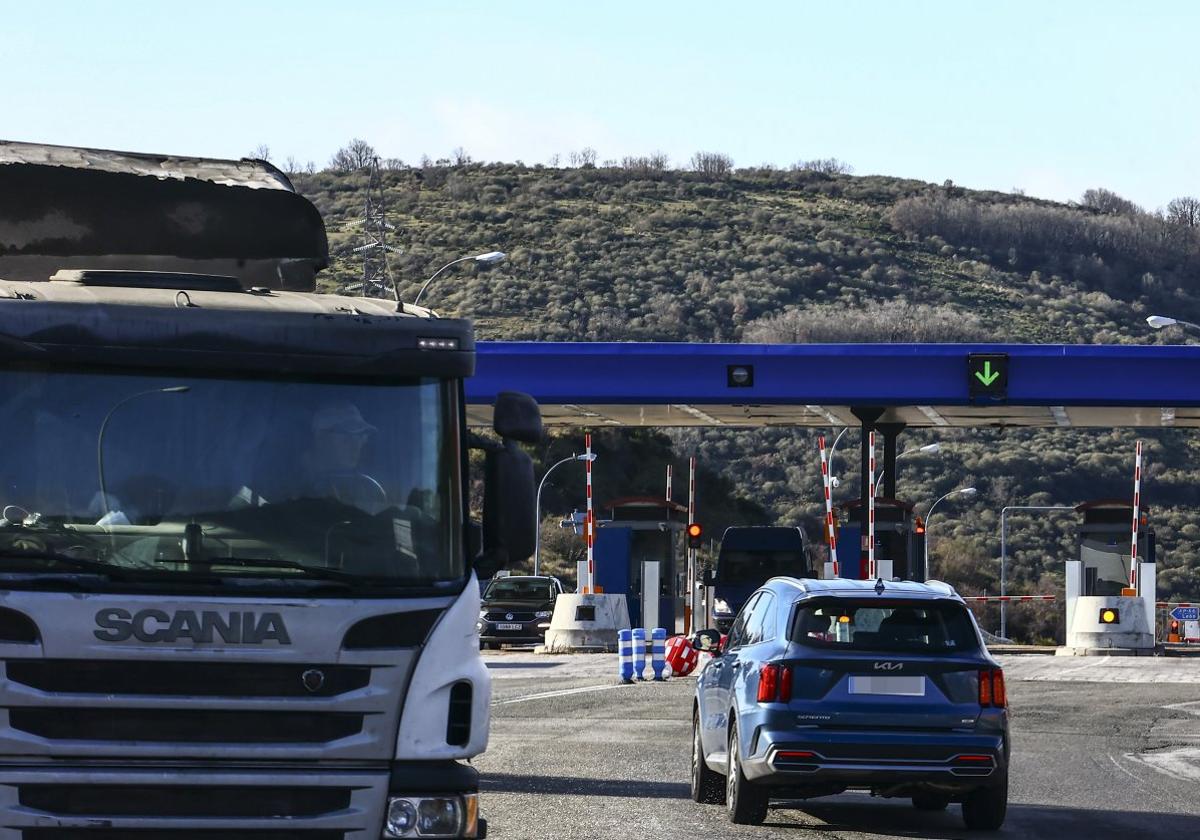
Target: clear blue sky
[[1049, 96]]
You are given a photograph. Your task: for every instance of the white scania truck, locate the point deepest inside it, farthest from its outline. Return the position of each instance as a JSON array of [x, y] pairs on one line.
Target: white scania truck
[[237, 577]]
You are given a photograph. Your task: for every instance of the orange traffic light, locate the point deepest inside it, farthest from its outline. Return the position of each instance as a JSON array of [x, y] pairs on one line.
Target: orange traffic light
[[694, 534]]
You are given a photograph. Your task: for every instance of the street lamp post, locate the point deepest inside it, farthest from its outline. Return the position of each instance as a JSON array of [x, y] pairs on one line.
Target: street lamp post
[[927, 449], [488, 258], [1158, 322], [537, 532], [1004, 554], [966, 492], [174, 389]]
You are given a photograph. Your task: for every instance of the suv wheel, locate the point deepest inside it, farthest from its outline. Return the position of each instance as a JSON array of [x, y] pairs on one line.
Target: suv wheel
[[985, 808], [747, 804], [927, 801], [708, 788]]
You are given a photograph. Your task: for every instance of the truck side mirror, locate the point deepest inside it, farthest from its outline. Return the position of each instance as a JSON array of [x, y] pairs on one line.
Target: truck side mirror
[[509, 526], [517, 417]]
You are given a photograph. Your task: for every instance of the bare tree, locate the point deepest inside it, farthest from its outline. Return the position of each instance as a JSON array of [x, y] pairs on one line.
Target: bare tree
[[825, 166], [1107, 201], [712, 164], [587, 156], [291, 166], [651, 164], [459, 156], [260, 152], [1185, 211], [357, 155]]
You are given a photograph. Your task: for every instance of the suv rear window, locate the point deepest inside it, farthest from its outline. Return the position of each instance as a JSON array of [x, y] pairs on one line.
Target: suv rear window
[[879, 625]]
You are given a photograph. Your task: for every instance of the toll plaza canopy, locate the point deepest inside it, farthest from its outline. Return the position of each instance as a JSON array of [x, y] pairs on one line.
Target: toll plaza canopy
[[913, 385]]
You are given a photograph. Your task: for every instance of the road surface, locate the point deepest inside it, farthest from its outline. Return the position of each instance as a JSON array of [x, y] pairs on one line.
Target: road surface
[[1102, 747]]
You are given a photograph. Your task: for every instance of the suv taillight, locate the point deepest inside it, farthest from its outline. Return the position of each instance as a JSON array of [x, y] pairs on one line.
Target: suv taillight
[[991, 688], [775, 683]]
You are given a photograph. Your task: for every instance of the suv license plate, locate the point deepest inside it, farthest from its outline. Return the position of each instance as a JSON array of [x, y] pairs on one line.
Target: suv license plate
[[508, 627], [901, 686]]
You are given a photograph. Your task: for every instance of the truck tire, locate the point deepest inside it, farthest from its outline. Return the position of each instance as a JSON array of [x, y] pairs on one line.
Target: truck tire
[[746, 803], [708, 788], [984, 809]]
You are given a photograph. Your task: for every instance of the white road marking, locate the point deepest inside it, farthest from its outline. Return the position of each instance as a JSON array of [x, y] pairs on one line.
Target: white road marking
[[1180, 763], [565, 692]]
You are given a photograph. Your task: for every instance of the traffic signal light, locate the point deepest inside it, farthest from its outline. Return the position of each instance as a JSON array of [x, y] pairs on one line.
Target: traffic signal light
[[1108, 615], [695, 534]]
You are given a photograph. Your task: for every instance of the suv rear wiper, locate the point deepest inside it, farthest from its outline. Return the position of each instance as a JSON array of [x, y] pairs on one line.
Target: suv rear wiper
[[320, 572]]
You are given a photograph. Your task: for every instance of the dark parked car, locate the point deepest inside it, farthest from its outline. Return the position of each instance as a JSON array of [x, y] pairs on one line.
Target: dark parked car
[[830, 685], [516, 610], [749, 557]]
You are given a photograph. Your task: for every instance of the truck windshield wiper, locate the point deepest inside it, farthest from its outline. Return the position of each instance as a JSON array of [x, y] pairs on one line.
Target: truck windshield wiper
[[320, 572], [84, 563]]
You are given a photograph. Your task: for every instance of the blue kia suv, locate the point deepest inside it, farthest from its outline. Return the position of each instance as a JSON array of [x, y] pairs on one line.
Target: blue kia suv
[[829, 685]]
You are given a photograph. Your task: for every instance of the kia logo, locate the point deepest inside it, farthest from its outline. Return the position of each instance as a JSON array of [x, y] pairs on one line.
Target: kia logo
[[888, 666]]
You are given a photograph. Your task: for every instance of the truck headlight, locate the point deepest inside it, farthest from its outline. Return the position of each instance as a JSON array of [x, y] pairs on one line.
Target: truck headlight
[[721, 605], [432, 816]]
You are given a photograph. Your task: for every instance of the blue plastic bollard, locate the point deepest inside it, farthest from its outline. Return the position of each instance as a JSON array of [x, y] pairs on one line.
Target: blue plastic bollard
[[658, 652], [625, 654], [639, 653]]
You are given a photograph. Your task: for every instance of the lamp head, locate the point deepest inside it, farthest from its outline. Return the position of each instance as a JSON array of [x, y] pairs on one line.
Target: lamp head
[[175, 389], [1159, 321], [968, 492], [931, 448], [491, 257], [586, 457]]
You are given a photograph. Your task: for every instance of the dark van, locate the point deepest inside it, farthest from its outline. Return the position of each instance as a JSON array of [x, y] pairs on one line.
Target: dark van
[[749, 557]]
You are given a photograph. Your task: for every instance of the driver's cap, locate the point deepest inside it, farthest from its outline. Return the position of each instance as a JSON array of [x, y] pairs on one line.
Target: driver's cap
[[340, 417]]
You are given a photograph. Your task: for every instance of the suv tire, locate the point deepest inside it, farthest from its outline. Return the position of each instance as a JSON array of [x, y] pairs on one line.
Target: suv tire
[[984, 809], [708, 788], [746, 803]]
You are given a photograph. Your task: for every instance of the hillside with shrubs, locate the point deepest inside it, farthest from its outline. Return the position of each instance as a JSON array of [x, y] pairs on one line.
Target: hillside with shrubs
[[640, 250]]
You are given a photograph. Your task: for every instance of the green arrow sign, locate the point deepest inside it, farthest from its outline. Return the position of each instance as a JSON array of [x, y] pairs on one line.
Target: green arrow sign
[[987, 376]]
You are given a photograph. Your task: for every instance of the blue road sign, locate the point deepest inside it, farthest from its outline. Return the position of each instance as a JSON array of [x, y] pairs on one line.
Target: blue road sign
[[1186, 613]]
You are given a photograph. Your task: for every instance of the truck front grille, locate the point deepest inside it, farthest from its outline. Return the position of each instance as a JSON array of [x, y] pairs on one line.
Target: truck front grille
[[172, 834], [186, 679], [202, 726], [180, 801]]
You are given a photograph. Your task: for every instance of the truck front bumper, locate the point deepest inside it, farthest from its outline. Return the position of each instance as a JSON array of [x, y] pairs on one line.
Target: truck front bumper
[[106, 801]]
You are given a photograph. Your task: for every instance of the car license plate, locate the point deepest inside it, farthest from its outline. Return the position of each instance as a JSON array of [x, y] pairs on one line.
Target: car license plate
[[508, 627], [899, 686]]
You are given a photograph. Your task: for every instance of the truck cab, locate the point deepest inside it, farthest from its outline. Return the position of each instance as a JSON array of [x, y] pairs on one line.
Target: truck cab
[[749, 557], [237, 576]]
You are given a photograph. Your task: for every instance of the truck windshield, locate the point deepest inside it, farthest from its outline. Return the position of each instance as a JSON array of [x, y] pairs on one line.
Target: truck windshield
[[165, 477], [757, 567]]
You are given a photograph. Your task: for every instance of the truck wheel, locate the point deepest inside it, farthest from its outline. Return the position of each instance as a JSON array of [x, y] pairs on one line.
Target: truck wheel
[[984, 809], [746, 803], [926, 801], [708, 788]]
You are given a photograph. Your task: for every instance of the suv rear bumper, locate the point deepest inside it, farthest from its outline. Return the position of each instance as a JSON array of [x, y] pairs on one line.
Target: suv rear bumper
[[949, 761]]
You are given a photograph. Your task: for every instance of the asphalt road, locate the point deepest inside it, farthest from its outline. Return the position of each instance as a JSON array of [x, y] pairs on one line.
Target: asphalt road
[[1101, 748]]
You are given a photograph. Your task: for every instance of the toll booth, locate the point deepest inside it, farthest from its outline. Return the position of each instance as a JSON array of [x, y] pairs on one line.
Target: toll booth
[[640, 552], [899, 541], [1103, 610]]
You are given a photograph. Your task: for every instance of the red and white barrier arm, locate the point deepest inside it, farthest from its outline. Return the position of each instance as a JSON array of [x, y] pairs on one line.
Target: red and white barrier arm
[[988, 599]]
